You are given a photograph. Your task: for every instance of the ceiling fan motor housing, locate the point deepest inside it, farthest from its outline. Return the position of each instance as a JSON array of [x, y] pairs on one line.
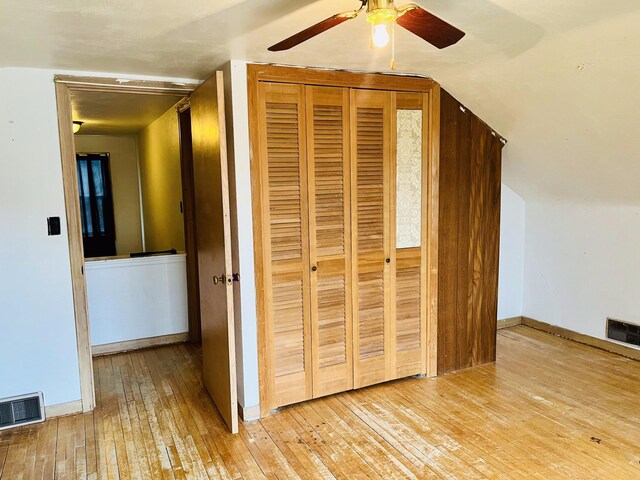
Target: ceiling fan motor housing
[[381, 11]]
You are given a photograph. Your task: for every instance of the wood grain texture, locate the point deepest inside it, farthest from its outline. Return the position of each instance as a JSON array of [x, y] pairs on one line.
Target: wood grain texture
[[470, 175], [76, 250], [374, 343], [339, 78], [428, 27], [409, 265], [154, 419], [284, 217], [139, 343], [310, 32], [427, 93], [329, 189], [213, 227]]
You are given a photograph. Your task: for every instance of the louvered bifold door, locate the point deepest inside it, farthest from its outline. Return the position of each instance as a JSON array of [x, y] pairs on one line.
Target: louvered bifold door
[[370, 195], [329, 238], [409, 224], [286, 247]]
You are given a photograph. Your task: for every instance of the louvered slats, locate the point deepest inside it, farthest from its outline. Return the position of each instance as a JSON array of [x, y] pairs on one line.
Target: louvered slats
[[408, 309], [371, 314], [331, 318], [288, 315], [329, 236], [328, 131], [283, 151], [342, 313], [371, 126], [370, 174]]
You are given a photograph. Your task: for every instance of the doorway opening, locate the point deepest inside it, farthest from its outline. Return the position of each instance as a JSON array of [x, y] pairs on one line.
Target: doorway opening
[[153, 148], [128, 218]]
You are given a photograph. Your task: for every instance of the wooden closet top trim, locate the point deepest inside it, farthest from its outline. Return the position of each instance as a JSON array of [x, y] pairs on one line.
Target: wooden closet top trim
[[338, 78]]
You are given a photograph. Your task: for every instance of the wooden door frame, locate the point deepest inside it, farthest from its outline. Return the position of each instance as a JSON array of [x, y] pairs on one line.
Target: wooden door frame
[[64, 85], [371, 81], [188, 209]]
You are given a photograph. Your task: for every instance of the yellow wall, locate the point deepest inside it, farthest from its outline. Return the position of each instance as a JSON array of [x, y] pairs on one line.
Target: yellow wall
[[123, 156], [161, 185]]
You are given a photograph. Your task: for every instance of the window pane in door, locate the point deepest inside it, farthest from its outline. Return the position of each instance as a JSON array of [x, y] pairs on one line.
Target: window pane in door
[[85, 197], [99, 191], [408, 178]]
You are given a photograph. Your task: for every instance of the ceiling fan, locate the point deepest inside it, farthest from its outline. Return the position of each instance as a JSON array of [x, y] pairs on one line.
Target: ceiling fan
[[382, 14]]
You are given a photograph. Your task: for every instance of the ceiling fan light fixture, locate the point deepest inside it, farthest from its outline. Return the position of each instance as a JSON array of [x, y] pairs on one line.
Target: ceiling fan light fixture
[[381, 14], [380, 35]]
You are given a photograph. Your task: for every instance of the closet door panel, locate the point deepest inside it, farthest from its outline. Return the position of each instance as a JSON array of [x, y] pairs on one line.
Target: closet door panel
[[408, 310], [409, 208], [285, 236], [330, 238], [373, 337]]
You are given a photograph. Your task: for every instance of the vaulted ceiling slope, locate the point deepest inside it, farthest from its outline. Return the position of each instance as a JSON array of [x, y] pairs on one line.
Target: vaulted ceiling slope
[[560, 80]]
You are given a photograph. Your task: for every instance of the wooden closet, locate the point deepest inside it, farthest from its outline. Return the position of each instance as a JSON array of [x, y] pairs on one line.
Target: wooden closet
[[342, 272], [469, 229]]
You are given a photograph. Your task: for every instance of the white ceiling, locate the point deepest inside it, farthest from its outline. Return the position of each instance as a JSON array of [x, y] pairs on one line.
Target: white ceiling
[[118, 113], [558, 79]]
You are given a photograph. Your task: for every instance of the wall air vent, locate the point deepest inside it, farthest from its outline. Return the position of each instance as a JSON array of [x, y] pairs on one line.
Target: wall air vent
[[21, 410], [623, 332]]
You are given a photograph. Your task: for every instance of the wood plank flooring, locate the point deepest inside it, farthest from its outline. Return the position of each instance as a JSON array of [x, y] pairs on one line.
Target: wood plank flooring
[[549, 409]]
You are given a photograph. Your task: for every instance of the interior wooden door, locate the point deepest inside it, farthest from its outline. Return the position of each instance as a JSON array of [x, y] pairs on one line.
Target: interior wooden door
[[328, 147], [285, 216], [409, 205], [213, 227], [374, 335]]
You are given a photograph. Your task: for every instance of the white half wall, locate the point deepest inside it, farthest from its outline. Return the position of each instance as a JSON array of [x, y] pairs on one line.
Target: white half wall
[[136, 298], [582, 264], [511, 271], [38, 350]]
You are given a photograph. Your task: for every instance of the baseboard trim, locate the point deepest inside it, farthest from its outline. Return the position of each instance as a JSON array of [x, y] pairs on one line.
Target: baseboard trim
[[249, 414], [119, 347], [509, 322], [63, 409], [606, 345]]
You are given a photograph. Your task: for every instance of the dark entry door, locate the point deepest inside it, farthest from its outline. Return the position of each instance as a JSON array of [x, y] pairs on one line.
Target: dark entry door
[[96, 205]]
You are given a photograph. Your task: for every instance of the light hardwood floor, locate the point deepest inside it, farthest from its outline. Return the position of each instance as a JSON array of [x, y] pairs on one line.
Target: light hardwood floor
[[548, 409]]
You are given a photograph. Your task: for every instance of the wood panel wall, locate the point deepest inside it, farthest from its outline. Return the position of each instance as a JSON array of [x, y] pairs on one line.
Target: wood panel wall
[[469, 223]]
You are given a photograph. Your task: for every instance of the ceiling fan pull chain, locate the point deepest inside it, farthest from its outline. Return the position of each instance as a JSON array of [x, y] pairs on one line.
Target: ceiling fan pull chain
[[393, 45]]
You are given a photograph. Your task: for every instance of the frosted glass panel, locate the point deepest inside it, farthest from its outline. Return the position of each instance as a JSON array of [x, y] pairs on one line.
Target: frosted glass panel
[[408, 178]]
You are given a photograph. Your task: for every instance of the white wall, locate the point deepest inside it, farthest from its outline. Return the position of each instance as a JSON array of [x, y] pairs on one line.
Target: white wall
[[582, 264], [246, 333], [123, 163], [134, 298], [512, 230], [38, 349]]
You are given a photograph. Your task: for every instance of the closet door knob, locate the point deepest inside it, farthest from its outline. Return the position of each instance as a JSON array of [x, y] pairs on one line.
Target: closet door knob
[[388, 260], [314, 268]]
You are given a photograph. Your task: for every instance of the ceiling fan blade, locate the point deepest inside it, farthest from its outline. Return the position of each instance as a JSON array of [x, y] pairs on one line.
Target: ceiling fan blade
[[312, 31], [428, 27]]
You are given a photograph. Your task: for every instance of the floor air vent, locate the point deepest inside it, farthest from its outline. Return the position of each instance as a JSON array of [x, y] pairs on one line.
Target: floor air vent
[[21, 410], [623, 332]]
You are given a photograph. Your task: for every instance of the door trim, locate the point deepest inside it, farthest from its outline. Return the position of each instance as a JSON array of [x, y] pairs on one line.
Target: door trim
[[64, 85], [331, 78]]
